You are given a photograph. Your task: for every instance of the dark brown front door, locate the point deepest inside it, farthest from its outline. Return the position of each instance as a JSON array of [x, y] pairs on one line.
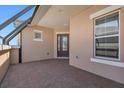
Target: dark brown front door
[[62, 45]]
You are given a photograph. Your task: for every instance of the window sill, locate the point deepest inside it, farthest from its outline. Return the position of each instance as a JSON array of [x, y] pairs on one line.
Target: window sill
[[108, 62]]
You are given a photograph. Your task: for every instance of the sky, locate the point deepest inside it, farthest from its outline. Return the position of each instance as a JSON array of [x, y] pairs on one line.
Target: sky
[[8, 11]]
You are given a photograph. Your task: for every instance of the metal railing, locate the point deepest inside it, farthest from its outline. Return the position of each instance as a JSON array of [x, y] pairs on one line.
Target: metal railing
[[4, 47]]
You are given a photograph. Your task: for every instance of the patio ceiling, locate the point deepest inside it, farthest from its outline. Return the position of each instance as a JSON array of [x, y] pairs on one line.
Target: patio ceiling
[[57, 16]]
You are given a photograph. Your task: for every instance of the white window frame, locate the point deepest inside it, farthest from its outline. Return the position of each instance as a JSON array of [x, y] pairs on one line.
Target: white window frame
[[105, 10], [94, 49], [40, 32]]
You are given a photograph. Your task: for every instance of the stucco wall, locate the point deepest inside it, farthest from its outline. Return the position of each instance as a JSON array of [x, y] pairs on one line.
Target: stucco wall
[[58, 31], [34, 50], [81, 45], [14, 56], [122, 35], [4, 62]]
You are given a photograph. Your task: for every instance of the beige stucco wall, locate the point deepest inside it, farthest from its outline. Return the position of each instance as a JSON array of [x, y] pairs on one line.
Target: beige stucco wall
[[81, 45], [4, 62], [14, 56], [122, 35], [58, 31], [34, 50]]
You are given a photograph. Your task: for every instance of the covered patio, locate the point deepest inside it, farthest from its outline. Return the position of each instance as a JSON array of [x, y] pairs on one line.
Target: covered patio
[[53, 46], [54, 73]]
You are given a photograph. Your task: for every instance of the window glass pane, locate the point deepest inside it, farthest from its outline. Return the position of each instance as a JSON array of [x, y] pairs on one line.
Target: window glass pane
[[107, 25], [12, 26], [107, 36], [58, 42], [24, 17], [15, 42], [8, 11], [27, 15], [112, 24], [100, 26], [64, 43], [107, 47], [0, 41], [37, 35], [8, 29]]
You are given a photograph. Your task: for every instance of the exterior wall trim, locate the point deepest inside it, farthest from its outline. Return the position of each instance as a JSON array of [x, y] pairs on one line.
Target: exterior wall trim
[[105, 10], [108, 62], [62, 33]]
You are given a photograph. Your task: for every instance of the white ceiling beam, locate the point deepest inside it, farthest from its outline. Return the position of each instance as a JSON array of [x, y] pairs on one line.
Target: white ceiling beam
[[42, 10]]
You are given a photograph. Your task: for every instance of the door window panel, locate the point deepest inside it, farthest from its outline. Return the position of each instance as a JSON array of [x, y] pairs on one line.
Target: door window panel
[[58, 42], [64, 43]]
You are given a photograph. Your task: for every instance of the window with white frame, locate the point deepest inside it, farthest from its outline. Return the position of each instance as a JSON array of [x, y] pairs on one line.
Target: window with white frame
[[38, 35], [106, 36]]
